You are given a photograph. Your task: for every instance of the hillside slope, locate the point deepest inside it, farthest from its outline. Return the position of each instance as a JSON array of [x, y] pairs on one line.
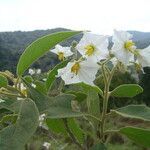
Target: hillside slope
[[12, 45]]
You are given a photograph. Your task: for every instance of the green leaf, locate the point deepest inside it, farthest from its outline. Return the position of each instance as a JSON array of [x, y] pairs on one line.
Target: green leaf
[[87, 88], [39, 47], [57, 126], [141, 112], [99, 146], [56, 107], [52, 74], [40, 86], [3, 81], [10, 104], [15, 136], [76, 130], [28, 78], [93, 103], [92, 98], [61, 107], [7, 120], [42, 101], [80, 96], [138, 135], [127, 90]]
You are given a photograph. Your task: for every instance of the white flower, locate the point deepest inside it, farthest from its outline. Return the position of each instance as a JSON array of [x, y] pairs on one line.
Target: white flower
[[114, 61], [33, 85], [19, 98], [41, 117], [143, 57], [93, 47], [22, 87], [34, 71], [79, 71], [62, 52], [123, 47], [2, 101], [38, 71], [47, 145], [44, 79], [31, 71]]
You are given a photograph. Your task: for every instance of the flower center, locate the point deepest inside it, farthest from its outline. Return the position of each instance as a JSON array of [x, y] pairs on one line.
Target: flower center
[[129, 45], [24, 92], [75, 68], [60, 55], [89, 49]]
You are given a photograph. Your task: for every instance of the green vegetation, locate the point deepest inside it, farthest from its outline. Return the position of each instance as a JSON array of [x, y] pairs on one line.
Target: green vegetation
[[76, 116]]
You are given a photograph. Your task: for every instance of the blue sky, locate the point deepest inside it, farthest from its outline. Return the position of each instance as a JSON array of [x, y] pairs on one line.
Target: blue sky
[[100, 16]]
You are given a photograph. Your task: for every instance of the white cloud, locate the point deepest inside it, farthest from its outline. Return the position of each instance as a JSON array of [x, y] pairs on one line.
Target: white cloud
[[100, 16]]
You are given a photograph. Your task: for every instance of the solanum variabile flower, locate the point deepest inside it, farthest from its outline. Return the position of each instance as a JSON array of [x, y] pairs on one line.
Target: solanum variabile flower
[[123, 47], [31, 71], [93, 47], [62, 52], [79, 71]]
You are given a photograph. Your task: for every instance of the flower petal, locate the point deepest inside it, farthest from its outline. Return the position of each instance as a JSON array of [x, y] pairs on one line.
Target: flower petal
[[121, 36], [65, 50], [144, 57], [88, 72], [118, 49]]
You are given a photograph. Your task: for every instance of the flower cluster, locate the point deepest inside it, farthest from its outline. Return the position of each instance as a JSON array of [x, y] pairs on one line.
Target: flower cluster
[[34, 71], [125, 51], [94, 50], [22, 88]]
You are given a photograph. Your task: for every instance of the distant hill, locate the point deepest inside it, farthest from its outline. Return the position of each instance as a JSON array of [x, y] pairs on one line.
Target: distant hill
[[142, 39], [12, 45], [18, 40]]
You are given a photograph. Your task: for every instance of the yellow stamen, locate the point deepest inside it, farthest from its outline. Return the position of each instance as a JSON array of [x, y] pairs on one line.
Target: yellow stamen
[[128, 45], [75, 68], [89, 49], [61, 56], [24, 92]]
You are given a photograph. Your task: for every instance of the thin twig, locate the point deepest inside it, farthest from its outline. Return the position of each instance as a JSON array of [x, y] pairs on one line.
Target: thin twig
[[110, 131], [9, 94], [13, 88]]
